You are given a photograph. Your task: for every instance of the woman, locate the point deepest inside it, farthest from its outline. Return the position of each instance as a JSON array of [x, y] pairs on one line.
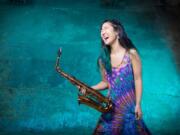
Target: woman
[[120, 66]]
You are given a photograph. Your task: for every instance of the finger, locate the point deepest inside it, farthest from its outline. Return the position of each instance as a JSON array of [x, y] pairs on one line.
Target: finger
[[84, 91], [139, 116], [136, 115], [79, 88]]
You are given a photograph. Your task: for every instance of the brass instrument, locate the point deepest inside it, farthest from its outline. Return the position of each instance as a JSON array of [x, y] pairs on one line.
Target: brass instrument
[[92, 97]]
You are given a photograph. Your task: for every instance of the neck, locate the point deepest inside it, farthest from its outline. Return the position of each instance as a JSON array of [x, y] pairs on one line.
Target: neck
[[116, 47]]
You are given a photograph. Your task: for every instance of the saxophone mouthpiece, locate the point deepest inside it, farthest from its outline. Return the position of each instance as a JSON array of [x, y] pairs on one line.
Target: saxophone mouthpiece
[[59, 51]]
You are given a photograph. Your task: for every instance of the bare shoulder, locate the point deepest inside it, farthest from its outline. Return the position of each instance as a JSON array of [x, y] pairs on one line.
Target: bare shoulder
[[134, 55]]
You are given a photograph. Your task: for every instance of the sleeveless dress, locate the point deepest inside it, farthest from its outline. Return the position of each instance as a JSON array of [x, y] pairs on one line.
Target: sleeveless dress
[[121, 120]]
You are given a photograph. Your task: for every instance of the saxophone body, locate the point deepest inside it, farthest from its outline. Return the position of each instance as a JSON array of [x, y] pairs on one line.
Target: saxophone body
[[92, 97]]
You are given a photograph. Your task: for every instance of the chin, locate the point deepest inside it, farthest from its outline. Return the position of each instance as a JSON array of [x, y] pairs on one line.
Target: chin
[[107, 43]]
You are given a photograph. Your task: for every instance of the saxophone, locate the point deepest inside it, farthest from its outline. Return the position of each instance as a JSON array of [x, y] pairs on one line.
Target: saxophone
[[92, 97]]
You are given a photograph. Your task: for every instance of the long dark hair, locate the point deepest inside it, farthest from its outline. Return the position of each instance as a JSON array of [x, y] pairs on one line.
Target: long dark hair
[[104, 57]]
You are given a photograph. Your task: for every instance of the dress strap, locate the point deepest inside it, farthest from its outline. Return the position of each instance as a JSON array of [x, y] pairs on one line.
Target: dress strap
[[129, 57]]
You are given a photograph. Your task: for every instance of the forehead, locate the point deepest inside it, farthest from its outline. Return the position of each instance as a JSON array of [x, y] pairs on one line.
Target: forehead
[[106, 25]]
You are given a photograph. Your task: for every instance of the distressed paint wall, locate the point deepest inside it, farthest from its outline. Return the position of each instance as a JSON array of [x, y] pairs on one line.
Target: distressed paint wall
[[36, 100]]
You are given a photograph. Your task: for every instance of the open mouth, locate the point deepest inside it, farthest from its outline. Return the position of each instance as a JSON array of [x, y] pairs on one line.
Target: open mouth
[[106, 38]]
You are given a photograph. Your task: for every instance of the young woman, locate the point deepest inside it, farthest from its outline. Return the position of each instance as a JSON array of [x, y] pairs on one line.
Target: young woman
[[120, 65]]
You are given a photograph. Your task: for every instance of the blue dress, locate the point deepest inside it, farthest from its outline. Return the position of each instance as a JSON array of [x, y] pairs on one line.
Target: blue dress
[[121, 120]]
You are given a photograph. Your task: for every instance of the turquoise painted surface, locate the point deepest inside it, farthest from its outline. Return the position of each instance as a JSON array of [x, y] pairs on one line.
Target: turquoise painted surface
[[36, 100]]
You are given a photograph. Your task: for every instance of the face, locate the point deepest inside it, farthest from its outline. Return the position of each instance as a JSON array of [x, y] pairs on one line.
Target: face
[[108, 34]]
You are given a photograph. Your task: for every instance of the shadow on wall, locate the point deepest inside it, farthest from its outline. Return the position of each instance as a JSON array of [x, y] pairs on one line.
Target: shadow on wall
[[170, 14]]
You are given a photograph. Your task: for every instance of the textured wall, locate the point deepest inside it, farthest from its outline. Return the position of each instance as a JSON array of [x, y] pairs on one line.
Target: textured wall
[[34, 99]]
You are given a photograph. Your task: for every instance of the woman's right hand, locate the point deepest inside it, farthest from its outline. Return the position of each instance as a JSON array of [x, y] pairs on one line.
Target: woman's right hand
[[82, 90]]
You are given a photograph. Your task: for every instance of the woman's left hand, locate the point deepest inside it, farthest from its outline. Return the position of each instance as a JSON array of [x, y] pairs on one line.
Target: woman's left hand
[[138, 112]]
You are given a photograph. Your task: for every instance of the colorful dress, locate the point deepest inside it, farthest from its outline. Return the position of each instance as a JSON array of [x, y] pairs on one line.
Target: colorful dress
[[121, 120]]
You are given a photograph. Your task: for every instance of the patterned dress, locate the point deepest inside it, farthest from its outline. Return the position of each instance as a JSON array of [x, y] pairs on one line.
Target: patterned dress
[[121, 120]]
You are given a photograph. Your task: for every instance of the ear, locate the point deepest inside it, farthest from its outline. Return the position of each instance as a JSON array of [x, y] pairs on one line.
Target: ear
[[117, 34]]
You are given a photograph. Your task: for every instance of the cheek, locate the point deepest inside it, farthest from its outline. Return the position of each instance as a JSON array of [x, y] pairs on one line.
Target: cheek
[[112, 33]]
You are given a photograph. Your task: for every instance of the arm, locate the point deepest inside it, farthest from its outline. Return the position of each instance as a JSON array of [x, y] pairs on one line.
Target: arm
[[137, 70], [100, 86], [136, 63]]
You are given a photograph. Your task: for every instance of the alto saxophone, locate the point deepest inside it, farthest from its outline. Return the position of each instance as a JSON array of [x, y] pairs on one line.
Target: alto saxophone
[[91, 97]]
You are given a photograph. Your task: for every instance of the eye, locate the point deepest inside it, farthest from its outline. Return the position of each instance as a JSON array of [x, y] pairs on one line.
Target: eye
[[102, 30]]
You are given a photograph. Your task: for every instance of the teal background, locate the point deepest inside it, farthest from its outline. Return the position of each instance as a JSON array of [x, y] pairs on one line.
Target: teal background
[[34, 99]]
